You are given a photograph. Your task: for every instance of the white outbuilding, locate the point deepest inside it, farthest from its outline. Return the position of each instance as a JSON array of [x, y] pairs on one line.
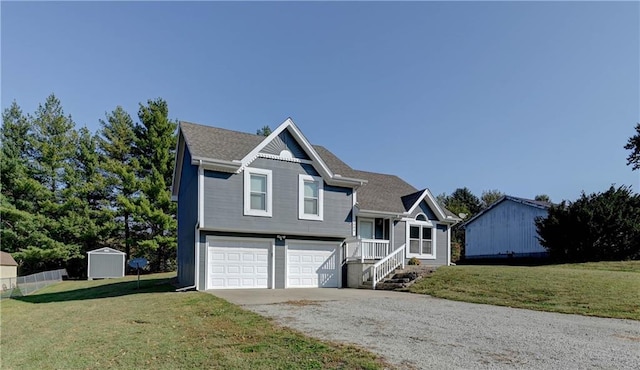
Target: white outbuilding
[[506, 229], [104, 263]]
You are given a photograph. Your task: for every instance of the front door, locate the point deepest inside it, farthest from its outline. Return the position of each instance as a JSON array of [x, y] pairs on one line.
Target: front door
[[366, 229]]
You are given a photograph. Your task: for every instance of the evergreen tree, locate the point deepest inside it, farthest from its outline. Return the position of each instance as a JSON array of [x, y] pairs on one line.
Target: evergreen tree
[[17, 183], [35, 155], [633, 144], [116, 142], [86, 217], [53, 145], [542, 198], [596, 227], [155, 212], [264, 131]]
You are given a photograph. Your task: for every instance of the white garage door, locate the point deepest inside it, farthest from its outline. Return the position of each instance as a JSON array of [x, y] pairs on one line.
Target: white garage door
[[238, 264], [312, 266]]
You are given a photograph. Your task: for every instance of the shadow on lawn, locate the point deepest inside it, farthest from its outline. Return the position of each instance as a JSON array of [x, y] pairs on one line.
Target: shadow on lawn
[[103, 291]]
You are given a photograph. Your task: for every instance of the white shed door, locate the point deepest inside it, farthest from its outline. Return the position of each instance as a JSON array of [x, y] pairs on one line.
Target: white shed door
[[312, 265], [238, 264]]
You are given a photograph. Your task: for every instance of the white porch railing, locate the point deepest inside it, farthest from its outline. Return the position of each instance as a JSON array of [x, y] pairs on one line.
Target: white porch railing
[[386, 265], [366, 249]]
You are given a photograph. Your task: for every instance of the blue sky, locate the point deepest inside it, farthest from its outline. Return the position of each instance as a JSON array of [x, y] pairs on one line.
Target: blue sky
[[523, 97]]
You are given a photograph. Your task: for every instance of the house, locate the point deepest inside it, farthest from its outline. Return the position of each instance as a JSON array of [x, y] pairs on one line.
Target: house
[[8, 271], [278, 212], [506, 229]]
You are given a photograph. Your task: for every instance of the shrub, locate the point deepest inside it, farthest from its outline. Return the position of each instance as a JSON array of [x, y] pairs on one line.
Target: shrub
[[596, 227], [413, 262], [456, 251]]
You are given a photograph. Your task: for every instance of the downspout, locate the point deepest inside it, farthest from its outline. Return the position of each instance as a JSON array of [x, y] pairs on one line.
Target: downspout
[[199, 224]]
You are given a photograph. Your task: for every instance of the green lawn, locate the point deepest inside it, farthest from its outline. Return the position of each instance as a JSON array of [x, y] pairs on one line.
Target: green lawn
[[606, 289], [111, 324]]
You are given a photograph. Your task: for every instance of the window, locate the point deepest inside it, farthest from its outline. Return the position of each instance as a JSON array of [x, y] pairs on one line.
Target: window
[[257, 192], [421, 239], [310, 198]]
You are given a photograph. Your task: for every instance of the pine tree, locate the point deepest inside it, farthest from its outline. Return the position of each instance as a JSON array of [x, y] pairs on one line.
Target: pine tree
[[86, 216], [155, 212], [53, 144], [116, 143], [16, 176], [30, 210]]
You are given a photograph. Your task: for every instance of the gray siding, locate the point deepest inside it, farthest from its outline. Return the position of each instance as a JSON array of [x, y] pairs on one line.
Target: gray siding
[[223, 203], [506, 229], [442, 242], [202, 265], [187, 218], [280, 264], [399, 234]]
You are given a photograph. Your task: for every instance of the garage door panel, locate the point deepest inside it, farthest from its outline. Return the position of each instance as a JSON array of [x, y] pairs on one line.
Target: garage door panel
[[312, 265], [238, 264]]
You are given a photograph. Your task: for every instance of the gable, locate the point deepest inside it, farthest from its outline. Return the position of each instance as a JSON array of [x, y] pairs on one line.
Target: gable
[[524, 206], [285, 142], [423, 207], [230, 151]]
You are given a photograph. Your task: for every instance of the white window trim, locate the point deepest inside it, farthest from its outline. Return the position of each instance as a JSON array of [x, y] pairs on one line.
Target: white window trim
[[320, 182], [421, 224], [247, 193]]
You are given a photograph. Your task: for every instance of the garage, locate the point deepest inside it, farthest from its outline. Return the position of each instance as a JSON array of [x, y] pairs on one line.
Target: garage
[[234, 264], [312, 265]]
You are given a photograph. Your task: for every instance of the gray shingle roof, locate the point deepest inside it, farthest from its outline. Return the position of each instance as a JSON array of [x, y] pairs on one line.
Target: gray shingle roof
[[386, 193], [381, 193], [218, 143]]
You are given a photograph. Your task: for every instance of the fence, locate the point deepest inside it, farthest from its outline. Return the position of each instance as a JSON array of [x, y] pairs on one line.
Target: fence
[[25, 285]]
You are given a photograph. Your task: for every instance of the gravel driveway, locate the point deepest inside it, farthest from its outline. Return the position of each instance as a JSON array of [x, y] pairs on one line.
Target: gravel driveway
[[417, 331]]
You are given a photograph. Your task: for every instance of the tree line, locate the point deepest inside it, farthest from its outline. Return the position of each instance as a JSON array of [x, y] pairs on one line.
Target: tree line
[[66, 191]]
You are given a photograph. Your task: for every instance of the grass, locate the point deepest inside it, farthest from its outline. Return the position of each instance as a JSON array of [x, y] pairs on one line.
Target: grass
[[111, 324], [605, 289]]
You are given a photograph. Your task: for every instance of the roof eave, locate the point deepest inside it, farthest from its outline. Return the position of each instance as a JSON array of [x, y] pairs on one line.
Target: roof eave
[[216, 164], [374, 213], [338, 180]]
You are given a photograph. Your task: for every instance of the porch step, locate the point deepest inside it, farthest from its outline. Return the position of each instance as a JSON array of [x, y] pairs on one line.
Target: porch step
[[402, 279]]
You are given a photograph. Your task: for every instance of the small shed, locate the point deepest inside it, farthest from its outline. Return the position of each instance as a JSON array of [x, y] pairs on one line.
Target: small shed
[[506, 229], [104, 263], [8, 271]]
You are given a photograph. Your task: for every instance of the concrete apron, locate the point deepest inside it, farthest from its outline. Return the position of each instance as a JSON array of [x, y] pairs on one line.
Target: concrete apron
[[246, 297]]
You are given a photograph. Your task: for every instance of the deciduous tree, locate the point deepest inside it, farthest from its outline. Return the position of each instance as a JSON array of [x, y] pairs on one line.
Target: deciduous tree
[[490, 196]]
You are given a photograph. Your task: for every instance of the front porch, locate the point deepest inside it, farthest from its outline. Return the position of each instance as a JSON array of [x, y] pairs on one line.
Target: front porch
[[369, 261], [369, 250]]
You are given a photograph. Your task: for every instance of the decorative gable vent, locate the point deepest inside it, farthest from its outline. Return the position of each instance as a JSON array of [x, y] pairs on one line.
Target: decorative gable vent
[[285, 146]]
